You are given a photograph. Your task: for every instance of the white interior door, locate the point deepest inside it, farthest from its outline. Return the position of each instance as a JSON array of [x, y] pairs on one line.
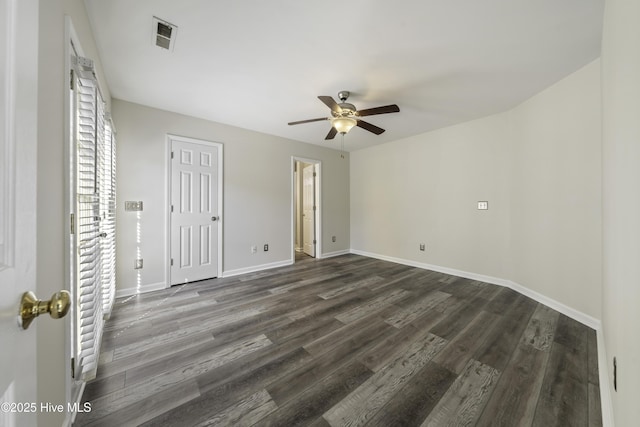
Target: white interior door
[[308, 210], [195, 210], [18, 169]]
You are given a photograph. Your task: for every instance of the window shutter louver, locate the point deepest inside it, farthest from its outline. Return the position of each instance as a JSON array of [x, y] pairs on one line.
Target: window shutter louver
[[108, 223], [94, 243]]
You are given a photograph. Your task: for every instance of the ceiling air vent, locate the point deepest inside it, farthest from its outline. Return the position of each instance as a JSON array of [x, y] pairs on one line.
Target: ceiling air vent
[[164, 34]]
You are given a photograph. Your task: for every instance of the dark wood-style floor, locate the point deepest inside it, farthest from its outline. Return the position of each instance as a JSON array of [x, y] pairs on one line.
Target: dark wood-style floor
[[343, 341]]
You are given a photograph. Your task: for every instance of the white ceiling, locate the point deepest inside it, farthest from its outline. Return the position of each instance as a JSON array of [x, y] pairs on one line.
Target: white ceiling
[[260, 64]]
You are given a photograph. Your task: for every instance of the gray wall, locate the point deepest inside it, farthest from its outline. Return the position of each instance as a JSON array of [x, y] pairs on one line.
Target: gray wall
[[556, 192], [257, 193], [537, 165]]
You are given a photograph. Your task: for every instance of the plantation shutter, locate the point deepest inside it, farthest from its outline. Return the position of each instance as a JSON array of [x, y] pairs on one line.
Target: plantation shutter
[[93, 238], [108, 223]]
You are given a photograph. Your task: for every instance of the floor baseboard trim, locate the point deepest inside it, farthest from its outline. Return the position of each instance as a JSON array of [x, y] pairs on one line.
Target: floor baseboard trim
[[558, 306], [255, 268], [336, 253], [581, 317], [127, 292]]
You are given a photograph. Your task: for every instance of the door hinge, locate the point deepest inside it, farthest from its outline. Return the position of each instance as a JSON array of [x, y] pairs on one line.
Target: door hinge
[[73, 367], [314, 174], [71, 81], [73, 224], [315, 241], [172, 154], [314, 208], [171, 208], [172, 262]]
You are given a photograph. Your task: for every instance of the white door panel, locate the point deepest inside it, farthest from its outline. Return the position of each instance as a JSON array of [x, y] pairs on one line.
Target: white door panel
[[195, 225], [18, 172]]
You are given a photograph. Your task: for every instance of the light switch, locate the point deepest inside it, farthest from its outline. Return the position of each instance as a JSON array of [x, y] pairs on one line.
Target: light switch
[[483, 206], [133, 206]]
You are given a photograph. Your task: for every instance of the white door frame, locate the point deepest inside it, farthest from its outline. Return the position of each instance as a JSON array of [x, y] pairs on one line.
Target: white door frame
[[318, 218], [220, 222]]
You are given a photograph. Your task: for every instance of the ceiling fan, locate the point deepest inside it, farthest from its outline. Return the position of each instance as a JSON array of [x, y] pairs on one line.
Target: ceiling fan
[[344, 115]]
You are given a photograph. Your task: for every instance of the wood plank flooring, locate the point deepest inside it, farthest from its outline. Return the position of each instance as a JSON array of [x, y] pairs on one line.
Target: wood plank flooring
[[344, 341]]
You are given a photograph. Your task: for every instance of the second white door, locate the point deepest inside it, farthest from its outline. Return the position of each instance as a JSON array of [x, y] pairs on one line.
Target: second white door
[[195, 218], [309, 210]]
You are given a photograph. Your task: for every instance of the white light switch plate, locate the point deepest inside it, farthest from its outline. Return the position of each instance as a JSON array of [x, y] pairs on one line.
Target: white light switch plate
[[132, 206]]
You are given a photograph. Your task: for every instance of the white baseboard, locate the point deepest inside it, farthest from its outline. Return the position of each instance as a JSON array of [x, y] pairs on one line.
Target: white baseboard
[[127, 292], [446, 270], [133, 290], [254, 268], [336, 253], [581, 317], [585, 319]]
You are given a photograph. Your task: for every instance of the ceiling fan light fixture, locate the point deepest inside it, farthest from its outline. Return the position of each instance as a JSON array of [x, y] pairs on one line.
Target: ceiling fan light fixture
[[344, 124]]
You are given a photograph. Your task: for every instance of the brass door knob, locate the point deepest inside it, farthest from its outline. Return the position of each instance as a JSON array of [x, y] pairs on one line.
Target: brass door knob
[[31, 307]]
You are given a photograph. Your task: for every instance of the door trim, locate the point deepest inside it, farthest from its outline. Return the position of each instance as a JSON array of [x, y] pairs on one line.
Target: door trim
[[169, 139], [319, 203]]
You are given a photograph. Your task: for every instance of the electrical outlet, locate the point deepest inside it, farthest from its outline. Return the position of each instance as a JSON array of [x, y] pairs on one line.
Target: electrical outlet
[[254, 249], [137, 264], [333, 239], [266, 247], [483, 206], [422, 247]]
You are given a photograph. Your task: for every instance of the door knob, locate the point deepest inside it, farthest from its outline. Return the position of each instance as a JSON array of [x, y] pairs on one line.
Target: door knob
[[31, 307], [214, 218]]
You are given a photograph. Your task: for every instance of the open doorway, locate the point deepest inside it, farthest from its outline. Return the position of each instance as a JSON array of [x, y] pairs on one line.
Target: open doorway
[[306, 209]]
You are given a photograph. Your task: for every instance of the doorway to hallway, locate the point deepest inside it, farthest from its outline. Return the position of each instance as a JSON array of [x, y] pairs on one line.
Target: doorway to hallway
[[306, 202]]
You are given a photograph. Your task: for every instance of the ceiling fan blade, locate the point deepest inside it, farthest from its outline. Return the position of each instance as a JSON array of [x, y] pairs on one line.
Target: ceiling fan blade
[[393, 108], [368, 126], [332, 133], [331, 103], [307, 121]]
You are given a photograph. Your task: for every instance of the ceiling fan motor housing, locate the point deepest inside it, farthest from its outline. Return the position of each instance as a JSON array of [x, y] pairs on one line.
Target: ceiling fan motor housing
[[347, 110]]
